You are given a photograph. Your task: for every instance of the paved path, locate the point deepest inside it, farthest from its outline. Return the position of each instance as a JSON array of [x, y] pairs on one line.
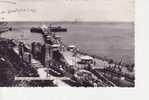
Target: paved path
[[59, 81], [43, 73], [70, 59]]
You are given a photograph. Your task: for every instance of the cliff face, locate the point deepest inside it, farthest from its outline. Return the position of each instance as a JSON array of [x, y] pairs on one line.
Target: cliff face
[[11, 65]]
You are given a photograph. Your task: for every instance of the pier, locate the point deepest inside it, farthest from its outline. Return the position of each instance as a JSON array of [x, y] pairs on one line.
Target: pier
[[61, 64]]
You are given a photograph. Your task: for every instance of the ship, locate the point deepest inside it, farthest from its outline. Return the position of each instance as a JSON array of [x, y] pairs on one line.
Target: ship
[[43, 29], [57, 64]]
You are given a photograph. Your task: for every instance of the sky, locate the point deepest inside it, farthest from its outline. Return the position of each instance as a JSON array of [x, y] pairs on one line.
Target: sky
[[71, 10]]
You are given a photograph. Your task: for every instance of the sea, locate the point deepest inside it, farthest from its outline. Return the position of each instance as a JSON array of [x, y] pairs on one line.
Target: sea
[[113, 40]]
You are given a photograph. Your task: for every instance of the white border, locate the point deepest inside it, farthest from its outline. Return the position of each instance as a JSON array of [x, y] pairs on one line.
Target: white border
[[140, 92]]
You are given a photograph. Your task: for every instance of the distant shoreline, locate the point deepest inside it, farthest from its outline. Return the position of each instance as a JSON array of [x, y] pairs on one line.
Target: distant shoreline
[[104, 22]]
